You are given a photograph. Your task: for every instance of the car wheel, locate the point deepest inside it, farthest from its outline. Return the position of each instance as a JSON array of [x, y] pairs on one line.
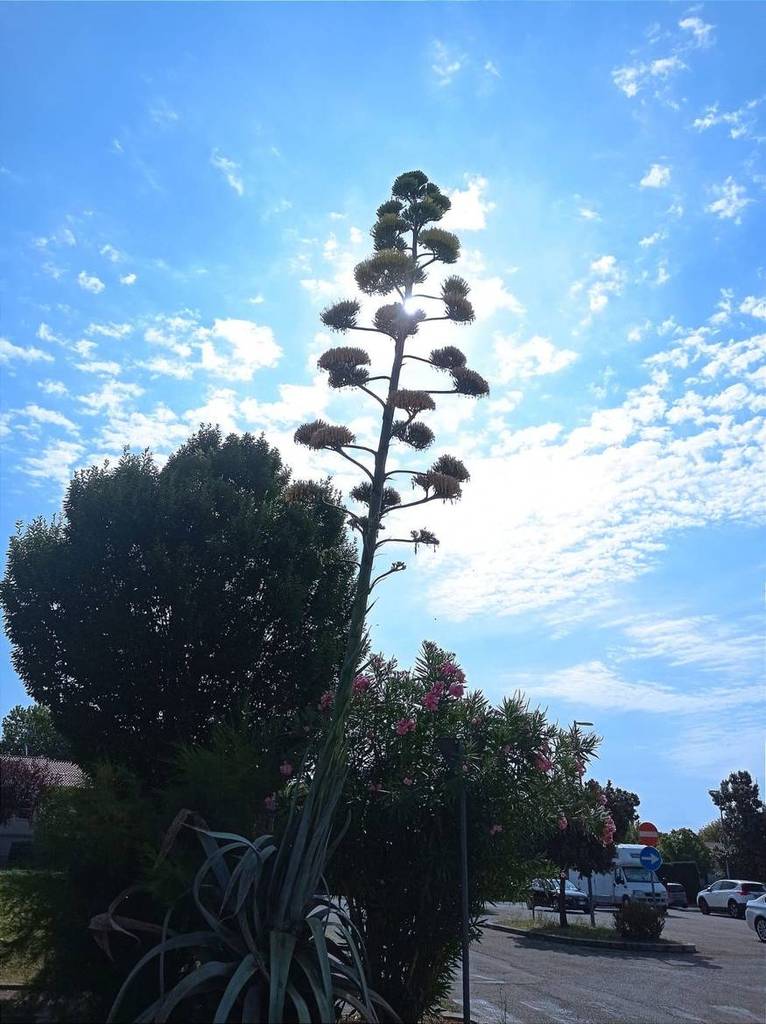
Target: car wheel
[[734, 909], [760, 928], [704, 908]]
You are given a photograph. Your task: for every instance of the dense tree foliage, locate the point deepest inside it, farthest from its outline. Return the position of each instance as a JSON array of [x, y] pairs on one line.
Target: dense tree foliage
[[161, 598], [683, 844], [23, 783], [744, 825], [30, 731], [623, 807]]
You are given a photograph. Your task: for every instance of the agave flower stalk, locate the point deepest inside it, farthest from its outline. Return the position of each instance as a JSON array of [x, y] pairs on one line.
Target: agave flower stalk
[[404, 246]]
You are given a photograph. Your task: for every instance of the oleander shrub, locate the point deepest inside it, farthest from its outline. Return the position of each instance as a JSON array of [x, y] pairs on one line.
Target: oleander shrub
[[639, 921]]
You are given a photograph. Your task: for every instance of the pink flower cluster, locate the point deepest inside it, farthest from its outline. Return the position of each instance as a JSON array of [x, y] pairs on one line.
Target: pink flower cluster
[[326, 701], [494, 829], [405, 725], [609, 829], [361, 684], [542, 762], [563, 823], [454, 677], [376, 788], [407, 780], [431, 700]]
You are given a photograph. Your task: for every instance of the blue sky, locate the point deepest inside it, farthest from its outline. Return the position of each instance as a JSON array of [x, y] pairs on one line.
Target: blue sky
[[184, 187]]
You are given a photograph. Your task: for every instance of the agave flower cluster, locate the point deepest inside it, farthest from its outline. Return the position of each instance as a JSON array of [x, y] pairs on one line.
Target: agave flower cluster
[[406, 241]]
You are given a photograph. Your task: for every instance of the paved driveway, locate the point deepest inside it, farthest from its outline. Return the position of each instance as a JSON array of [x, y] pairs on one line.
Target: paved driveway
[[513, 982]]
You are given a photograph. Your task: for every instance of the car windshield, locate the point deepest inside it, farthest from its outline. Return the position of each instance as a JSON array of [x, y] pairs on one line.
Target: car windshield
[[570, 887], [638, 874]]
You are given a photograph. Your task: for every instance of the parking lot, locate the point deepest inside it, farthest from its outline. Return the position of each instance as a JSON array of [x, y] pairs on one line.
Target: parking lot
[[516, 982]]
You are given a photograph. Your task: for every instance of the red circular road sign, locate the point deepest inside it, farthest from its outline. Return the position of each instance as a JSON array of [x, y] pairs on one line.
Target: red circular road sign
[[648, 834]]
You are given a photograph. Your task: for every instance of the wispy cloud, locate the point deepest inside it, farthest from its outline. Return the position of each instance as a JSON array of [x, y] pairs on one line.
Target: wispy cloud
[[230, 171], [445, 62], [658, 176], [90, 283], [731, 199], [10, 352]]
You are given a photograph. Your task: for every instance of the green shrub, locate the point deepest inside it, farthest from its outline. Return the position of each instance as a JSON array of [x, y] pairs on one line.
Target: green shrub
[[639, 921]]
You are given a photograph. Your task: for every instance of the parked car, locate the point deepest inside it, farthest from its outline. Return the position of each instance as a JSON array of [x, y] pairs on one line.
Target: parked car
[[676, 895], [544, 892], [729, 895], [755, 915]]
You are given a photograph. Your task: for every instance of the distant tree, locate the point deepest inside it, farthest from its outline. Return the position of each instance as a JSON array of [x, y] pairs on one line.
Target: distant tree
[[622, 806], [30, 731], [684, 844], [162, 598], [711, 833], [583, 837], [23, 782], [744, 825]]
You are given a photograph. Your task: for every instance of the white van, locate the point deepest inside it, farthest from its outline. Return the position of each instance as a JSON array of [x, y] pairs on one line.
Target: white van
[[628, 880]]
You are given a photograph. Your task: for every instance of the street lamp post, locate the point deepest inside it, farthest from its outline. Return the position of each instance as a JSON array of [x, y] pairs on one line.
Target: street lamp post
[[590, 879], [452, 752]]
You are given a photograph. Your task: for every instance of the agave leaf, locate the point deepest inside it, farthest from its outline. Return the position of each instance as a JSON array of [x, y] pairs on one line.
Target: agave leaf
[[301, 1006], [367, 1015], [188, 941], [192, 984], [214, 922], [212, 849], [281, 949], [323, 959], [251, 1006], [239, 979]]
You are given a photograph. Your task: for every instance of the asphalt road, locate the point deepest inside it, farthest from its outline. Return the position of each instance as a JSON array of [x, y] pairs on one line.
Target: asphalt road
[[514, 982]]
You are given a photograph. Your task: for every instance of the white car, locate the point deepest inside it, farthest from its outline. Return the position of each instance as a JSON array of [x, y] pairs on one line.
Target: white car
[[755, 914], [729, 895]]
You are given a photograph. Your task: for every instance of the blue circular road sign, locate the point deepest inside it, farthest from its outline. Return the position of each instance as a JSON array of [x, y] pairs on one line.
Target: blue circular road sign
[[650, 858]]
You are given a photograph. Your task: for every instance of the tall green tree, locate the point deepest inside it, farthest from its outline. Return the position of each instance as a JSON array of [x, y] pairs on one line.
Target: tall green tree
[[162, 598], [743, 828], [30, 731], [623, 807], [684, 844]]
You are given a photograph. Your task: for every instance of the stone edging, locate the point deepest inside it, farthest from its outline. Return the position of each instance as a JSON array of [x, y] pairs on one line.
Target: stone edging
[[644, 947]]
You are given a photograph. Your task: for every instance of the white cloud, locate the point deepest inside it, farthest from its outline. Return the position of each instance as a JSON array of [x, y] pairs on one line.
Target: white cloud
[[110, 330], [741, 122], [593, 684], [162, 366], [128, 279], [55, 463], [111, 398], [44, 333], [90, 283], [110, 253], [250, 348], [702, 34], [632, 79], [469, 207], [9, 352], [701, 640], [256, 300], [754, 307], [532, 358], [84, 347], [445, 63], [658, 176], [732, 200], [162, 113], [53, 387], [102, 367], [230, 171], [491, 68], [723, 308], [50, 416], [652, 239], [588, 214], [605, 279]]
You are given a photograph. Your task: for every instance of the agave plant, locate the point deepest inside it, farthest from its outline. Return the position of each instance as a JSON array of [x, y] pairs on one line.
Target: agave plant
[[239, 964]]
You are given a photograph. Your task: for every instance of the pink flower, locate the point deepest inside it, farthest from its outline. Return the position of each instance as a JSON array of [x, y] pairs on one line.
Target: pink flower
[[327, 700], [375, 788], [450, 672], [361, 684], [494, 829], [580, 768], [285, 769], [438, 688], [543, 763], [475, 722], [270, 803], [456, 690], [431, 701], [602, 799], [563, 823], [405, 725], [407, 780]]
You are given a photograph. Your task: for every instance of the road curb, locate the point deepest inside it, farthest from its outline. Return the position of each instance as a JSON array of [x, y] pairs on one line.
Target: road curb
[[568, 940]]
